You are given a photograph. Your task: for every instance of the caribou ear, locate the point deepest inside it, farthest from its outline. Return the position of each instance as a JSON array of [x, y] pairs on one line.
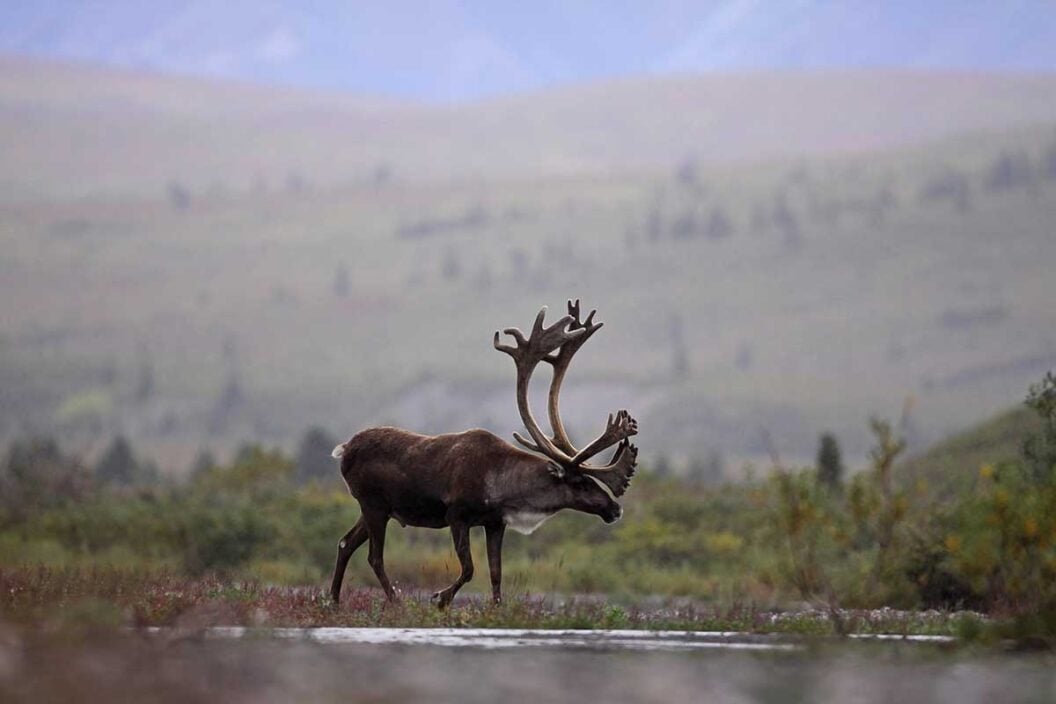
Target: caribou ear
[[555, 469]]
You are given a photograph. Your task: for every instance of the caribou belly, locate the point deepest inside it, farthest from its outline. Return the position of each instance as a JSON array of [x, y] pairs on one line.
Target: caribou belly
[[525, 521]]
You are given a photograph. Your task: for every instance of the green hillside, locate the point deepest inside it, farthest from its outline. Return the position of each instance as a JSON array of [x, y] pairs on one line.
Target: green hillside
[[957, 460]]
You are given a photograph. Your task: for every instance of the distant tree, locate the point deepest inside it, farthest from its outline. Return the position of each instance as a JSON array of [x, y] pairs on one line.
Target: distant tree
[[484, 278], [169, 422], [230, 402], [35, 474], [951, 185], [662, 467], [744, 357], [886, 197], [118, 465], [654, 221], [247, 453], [1040, 449], [881, 202], [179, 196], [707, 471], [519, 263], [630, 238], [1010, 170], [830, 462], [229, 350], [342, 285], [144, 383], [280, 295], [203, 462], [760, 218], [687, 172], [684, 226], [314, 460], [896, 351], [295, 183], [144, 390], [679, 351], [475, 216], [451, 268], [1048, 165], [787, 224], [719, 225], [107, 373], [381, 176]]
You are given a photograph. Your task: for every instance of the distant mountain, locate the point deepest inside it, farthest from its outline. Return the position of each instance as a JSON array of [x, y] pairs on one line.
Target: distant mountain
[[463, 49]]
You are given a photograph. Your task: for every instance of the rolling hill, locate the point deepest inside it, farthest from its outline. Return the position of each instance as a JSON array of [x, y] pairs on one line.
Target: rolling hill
[[198, 264], [955, 461]]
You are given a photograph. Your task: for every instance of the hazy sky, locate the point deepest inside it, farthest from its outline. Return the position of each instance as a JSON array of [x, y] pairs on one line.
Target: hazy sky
[[444, 50]]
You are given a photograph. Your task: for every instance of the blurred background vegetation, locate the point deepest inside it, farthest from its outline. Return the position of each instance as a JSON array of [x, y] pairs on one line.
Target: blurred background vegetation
[[910, 535]]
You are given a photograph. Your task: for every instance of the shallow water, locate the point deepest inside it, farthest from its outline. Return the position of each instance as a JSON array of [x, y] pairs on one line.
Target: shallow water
[[509, 666], [607, 640]]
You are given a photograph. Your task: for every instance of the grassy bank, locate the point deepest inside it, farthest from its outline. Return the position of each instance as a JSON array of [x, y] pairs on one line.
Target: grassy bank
[[106, 597]]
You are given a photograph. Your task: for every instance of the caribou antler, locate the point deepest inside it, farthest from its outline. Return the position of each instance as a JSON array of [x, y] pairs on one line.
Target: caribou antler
[[526, 355], [560, 364], [557, 345]]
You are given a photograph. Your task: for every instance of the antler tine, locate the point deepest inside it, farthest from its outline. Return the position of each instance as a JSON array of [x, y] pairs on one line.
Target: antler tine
[[573, 312], [618, 428], [542, 341], [616, 475], [526, 442], [509, 349]]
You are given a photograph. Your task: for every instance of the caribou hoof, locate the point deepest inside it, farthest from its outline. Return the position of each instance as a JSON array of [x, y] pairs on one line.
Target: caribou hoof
[[442, 599]]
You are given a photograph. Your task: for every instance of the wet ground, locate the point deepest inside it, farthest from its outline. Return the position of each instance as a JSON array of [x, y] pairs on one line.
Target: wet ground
[[509, 666]]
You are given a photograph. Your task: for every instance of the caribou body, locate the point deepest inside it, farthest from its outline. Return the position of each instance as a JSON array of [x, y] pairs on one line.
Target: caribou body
[[474, 478]]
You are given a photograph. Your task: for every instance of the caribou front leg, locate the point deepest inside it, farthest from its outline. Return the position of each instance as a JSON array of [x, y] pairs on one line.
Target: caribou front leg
[[460, 534], [494, 533]]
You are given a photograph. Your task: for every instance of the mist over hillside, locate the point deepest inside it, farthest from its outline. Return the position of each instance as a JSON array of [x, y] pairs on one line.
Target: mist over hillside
[[74, 132], [196, 264]]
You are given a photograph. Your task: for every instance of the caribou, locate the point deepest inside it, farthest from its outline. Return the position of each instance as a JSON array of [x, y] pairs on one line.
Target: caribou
[[474, 478]]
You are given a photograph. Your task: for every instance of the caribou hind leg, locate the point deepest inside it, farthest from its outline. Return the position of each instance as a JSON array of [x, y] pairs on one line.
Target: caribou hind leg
[[376, 522], [348, 545], [460, 534]]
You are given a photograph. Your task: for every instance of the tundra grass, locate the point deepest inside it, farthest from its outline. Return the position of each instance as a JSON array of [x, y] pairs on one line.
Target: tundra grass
[[107, 597]]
